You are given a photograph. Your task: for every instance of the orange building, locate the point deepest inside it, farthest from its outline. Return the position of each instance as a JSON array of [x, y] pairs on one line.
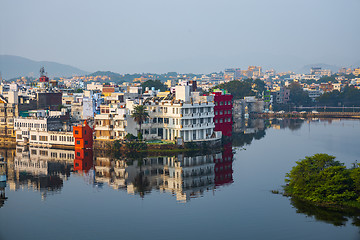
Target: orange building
[[83, 135]]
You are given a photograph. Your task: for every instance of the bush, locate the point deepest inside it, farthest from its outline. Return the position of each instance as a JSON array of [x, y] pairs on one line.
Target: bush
[[130, 136], [321, 179]]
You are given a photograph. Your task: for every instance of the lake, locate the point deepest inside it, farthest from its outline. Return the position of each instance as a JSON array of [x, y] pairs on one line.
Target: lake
[[64, 194]]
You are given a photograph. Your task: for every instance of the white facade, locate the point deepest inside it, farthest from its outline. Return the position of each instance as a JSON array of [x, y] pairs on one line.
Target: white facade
[[185, 116], [41, 132]]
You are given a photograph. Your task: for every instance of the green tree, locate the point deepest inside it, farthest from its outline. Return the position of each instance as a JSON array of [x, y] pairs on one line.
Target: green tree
[[239, 89], [154, 83], [298, 96], [326, 79], [259, 87], [321, 179], [79, 90], [350, 96], [140, 115]]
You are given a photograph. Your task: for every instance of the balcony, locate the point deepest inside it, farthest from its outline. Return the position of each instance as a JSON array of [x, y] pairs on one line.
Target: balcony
[[199, 125], [100, 127]]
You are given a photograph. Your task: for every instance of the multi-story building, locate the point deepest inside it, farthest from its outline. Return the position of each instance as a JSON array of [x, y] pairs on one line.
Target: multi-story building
[[43, 131], [8, 111], [326, 87], [49, 100], [223, 112], [319, 71], [282, 96], [111, 123], [83, 135], [356, 71], [183, 115]]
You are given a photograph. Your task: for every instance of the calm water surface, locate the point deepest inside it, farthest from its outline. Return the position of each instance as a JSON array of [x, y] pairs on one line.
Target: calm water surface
[[220, 195]]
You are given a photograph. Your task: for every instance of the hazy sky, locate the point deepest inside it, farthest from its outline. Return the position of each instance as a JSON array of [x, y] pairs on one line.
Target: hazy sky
[[182, 35]]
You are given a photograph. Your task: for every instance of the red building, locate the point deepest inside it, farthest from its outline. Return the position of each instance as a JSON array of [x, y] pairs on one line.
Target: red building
[[44, 79], [223, 112], [83, 135]]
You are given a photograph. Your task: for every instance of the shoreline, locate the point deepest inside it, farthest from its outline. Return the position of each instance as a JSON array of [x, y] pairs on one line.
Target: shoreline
[[346, 115]]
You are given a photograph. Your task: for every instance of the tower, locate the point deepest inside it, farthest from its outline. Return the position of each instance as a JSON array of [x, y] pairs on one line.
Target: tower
[[43, 80]]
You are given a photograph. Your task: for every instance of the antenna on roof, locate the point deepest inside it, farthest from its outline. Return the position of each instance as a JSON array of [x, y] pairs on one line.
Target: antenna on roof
[[42, 71]]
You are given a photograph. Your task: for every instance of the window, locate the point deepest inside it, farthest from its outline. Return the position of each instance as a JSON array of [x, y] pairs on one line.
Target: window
[[78, 154], [43, 153], [33, 137], [166, 120], [18, 136], [221, 121], [76, 132], [86, 142], [78, 142]]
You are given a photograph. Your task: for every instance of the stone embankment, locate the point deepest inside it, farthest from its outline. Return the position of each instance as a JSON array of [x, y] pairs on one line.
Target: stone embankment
[[307, 115]]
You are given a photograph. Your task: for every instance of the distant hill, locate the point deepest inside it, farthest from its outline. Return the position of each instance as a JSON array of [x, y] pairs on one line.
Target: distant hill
[[116, 77], [14, 66], [306, 68]]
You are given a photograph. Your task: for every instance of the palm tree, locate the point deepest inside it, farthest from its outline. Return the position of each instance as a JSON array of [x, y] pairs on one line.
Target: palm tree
[[140, 115]]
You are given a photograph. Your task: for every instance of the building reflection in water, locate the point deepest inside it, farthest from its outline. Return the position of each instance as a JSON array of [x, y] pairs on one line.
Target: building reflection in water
[[2, 181], [184, 176], [40, 169]]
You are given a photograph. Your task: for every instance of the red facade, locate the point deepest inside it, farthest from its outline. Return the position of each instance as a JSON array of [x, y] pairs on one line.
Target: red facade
[[223, 113], [43, 79], [83, 135]]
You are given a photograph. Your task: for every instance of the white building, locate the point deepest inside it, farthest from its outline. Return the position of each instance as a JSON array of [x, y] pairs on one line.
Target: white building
[[44, 132], [183, 114]]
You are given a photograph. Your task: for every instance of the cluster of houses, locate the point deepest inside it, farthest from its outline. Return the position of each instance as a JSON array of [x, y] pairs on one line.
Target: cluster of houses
[[48, 116]]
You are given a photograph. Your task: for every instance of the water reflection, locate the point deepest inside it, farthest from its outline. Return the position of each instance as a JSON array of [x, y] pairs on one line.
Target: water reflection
[[2, 181], [184, 176], [331, 216], [39, 169]]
